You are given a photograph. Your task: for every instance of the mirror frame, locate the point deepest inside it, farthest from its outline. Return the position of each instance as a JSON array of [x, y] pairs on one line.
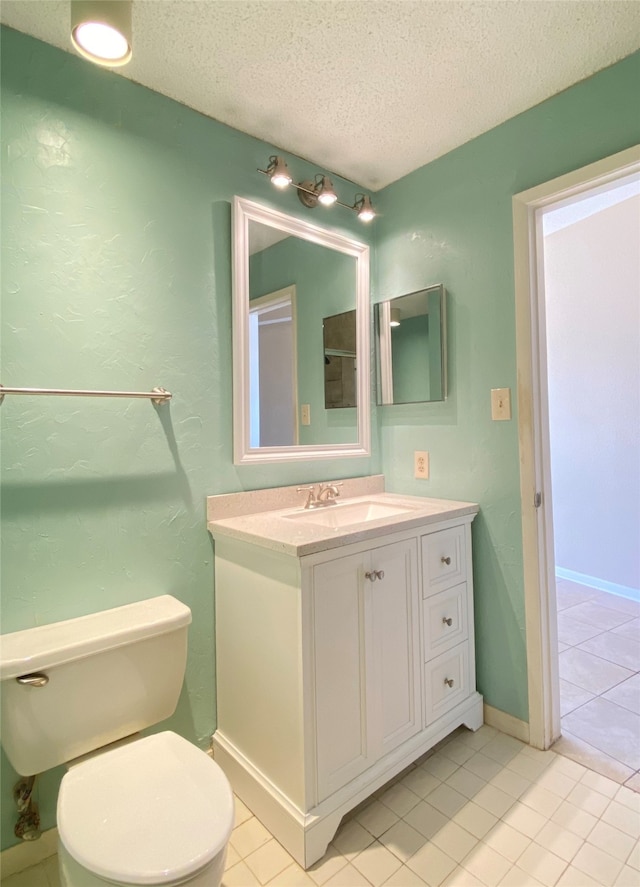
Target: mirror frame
[[245, 211]]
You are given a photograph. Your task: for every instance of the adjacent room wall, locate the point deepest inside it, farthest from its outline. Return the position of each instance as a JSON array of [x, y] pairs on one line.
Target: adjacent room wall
[[592, 297]]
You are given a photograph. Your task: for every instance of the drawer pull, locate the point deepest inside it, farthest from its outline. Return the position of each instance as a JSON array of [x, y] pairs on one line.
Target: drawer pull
[[445, 560], [449, 682], [374, 574], [447, 620]]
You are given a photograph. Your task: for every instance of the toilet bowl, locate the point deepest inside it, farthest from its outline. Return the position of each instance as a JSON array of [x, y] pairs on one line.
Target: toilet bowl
[[157, 811], [132, 810]]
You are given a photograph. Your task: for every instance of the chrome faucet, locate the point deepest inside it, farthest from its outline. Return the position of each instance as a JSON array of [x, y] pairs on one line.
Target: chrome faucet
[[326, 495]]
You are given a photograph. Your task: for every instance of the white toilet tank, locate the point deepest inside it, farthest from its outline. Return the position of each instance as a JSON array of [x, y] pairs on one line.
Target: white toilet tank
[[90, 680]]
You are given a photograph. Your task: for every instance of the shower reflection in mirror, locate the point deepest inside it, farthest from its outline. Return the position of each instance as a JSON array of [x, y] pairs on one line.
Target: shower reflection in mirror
[[411, 347]]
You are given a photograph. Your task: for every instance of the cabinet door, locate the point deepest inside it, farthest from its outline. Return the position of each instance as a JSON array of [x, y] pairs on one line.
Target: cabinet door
[[394, 686], [340, 661]]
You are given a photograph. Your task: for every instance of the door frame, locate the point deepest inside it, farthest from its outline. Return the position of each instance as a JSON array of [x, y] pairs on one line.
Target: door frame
[[533, 433]]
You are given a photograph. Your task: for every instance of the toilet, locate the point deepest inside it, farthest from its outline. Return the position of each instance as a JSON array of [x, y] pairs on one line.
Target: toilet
[[132, 810]]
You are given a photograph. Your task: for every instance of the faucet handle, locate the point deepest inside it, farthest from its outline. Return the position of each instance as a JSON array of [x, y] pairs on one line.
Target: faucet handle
[[311, 498]]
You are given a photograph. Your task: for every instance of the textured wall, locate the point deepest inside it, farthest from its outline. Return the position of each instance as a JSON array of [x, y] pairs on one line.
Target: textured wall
[[450, 222], [116, 274]]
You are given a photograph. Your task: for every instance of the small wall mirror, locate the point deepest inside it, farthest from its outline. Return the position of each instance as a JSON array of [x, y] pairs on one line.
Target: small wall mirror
[[294, 284], [411, 347]]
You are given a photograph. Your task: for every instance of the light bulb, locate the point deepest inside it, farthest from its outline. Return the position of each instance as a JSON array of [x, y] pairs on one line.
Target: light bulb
[[279, 172], [101, 31], [395, 317], [365, 211], [326, 195], [101, 41]]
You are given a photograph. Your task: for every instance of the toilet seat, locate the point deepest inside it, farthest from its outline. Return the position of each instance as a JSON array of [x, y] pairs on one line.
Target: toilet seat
[[154, 811]]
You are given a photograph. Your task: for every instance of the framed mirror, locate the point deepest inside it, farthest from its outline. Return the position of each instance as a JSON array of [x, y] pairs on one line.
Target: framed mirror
[[289, 278], [411, 347]]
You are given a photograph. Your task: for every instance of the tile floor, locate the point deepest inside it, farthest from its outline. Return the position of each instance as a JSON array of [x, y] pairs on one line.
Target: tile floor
[[483, 810], [599, 643]]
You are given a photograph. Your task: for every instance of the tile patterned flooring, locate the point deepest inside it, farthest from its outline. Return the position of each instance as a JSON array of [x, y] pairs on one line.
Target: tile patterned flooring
[[483, 809], [599, 644]]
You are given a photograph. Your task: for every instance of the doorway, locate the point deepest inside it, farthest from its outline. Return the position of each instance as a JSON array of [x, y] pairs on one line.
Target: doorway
[[590, 250], [273, 377], [541, 603]]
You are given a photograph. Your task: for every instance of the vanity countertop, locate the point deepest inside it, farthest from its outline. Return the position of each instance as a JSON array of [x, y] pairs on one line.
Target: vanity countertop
[[298, 531]]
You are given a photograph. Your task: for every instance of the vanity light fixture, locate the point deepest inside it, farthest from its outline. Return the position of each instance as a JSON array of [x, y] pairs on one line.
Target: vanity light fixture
[[101, 31], [394, 317], [320, 190]]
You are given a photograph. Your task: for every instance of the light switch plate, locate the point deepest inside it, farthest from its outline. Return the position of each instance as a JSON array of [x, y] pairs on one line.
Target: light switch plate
[[500, 404], [305, 414]]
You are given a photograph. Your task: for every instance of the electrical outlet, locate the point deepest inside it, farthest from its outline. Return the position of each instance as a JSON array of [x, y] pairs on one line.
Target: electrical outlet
[[500, 404], [305, 414], [421, 465]]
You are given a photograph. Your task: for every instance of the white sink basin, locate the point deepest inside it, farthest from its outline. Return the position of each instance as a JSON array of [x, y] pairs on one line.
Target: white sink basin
[[349, 513]]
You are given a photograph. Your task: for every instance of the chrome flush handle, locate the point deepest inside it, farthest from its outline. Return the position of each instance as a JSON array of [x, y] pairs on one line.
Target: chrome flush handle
[[36, 679]]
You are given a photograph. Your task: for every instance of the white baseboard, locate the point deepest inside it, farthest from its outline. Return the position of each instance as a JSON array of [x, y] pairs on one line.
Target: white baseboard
[[27, 853], [506, 723], [633, 594]]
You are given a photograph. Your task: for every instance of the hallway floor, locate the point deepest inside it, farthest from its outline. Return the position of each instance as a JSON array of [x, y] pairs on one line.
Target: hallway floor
[[483, 810], [599, 644]]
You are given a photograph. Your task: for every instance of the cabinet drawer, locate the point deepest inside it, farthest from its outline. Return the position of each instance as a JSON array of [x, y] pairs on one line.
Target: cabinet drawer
[[443, 559], [445, 620], [446, 682]]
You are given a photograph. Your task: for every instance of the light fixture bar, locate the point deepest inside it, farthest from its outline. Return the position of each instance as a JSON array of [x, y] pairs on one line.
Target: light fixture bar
[[310, 192]]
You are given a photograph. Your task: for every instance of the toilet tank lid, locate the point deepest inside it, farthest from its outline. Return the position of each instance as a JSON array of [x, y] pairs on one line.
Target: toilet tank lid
[[34, 649]]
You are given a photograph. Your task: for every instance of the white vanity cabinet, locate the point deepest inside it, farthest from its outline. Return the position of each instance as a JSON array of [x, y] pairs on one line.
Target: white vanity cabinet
[[339, 661]]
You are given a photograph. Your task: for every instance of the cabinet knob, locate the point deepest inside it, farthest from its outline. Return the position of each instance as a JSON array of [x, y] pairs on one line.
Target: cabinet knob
[[449, 682], [446, 560], [447, 620], [374, 574]]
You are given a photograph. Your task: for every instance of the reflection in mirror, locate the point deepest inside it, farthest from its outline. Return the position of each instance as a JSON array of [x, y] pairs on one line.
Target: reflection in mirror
[[340, 361], [272, 369], [289, 277], [411, 347]]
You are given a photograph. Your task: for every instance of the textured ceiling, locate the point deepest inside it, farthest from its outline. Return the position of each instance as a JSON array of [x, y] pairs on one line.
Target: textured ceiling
[[371, 89]]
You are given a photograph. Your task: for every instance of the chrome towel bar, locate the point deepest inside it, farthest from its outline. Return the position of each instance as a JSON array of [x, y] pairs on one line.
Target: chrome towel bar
[[157, 395]]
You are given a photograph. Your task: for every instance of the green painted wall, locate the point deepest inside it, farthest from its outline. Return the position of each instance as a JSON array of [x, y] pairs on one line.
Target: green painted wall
[[116, 274], [325, 283], [450, 222]]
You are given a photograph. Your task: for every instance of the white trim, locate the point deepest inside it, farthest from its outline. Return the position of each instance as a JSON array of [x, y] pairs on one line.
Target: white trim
[[245, 211], [533, 432], [27, 853], [626, 591], [506, 723]]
